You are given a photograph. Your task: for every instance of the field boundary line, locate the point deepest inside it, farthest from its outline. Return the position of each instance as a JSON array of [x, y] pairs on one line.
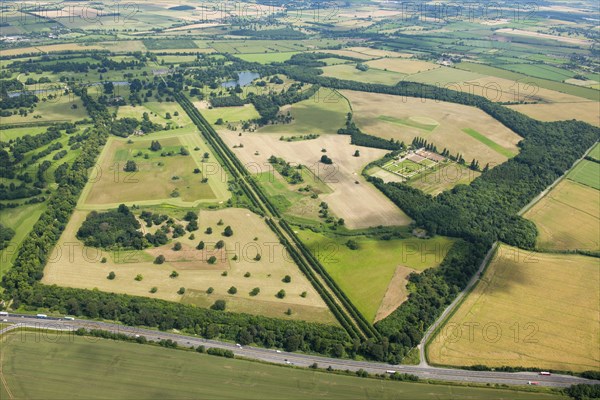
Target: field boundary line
[[435, 328], [540, 196]]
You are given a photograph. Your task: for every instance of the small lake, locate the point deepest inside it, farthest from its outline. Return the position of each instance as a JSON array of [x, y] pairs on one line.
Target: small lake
[[244, 78]]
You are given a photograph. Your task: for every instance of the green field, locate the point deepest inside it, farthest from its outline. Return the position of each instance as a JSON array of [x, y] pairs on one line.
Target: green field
[[9, 134], [169, 44], [488, 142], [231, 114], [86, 368], [595, 153], [364, 281], [21, 220], [587, 173], [267, 58], [323, 113], [409, 122]]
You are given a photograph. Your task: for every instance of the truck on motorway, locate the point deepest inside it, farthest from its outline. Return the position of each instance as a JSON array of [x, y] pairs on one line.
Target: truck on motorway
[[533, 383], [3, 314], [70, 318], [390, 371], [545, 373], [41, 316]]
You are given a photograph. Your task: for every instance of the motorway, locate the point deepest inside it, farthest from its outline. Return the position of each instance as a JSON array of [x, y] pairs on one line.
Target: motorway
[[296, 359]]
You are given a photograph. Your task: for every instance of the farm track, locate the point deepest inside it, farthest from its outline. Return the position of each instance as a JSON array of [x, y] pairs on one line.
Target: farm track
[[345, 312]]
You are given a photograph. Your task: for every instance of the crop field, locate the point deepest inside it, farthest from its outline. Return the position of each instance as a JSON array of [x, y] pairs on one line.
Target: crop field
[[586, 173], [568, 218], [378, 114], [517, 323], [80, 367], [369, 206], [324, 113], [74, 265], [350, 72], [584, 111], [365, 281], [549, 90], [111, 185]]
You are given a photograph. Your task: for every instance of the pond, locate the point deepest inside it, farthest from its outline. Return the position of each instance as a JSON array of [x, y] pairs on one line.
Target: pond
[[244, 78]]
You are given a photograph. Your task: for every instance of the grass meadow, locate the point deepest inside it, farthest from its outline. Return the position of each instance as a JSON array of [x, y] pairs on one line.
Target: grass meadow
[[101, 368], [362, 279]]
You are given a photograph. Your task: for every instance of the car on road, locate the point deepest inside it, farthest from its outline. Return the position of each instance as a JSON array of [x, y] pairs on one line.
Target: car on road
[[279, 351]]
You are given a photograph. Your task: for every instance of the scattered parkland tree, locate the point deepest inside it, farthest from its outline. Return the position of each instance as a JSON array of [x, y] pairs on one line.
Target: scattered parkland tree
[[213, 260], [200, 245], [232, 290], [155, 145], [154, 289], [210, 290], [130, 166], [159, 260], [111, 275], [228, 231], [208, 230], [326, 160], [357, 153], [219, 305], [220, 244], [281, 294], [174, 274], [177, 246], [139, 277], [255, 291], [287, 279], [181, 290]]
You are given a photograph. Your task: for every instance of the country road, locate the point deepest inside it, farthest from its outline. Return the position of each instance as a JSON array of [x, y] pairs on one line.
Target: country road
[[452, 306], [297, 359]]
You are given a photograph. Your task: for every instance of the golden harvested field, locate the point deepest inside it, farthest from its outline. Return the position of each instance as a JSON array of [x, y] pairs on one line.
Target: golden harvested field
[[349, 72], [586, 111], [530, 310], [379, 53], [568, 218], [396, 293], [74, 265], [520, 32], [48, 49], [369, 207], [404, 118], [350, 53], [153, 183], [401, 65]]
